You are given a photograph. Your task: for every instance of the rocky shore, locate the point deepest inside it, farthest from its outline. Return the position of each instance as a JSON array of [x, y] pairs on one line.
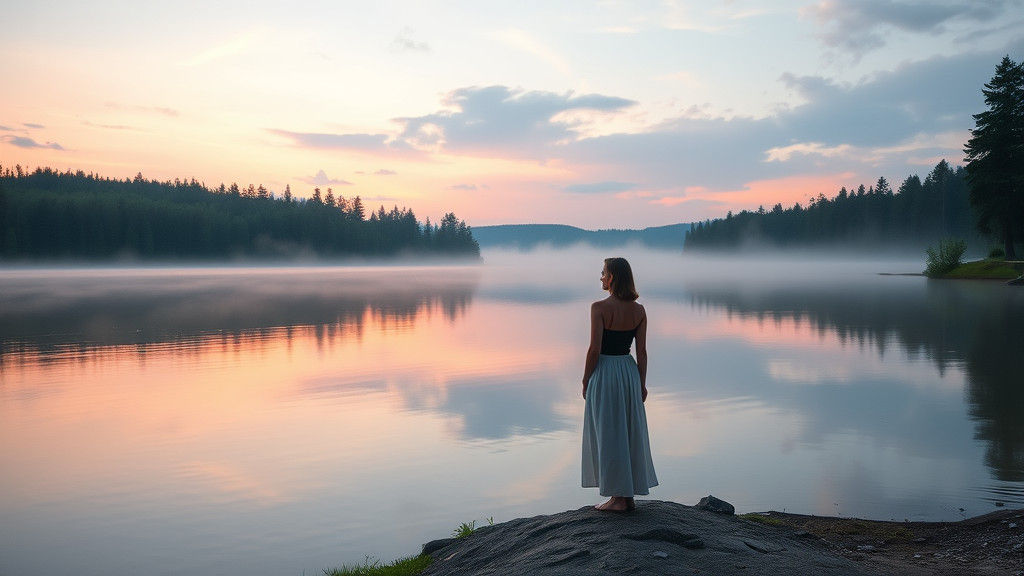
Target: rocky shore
[[669, 538]]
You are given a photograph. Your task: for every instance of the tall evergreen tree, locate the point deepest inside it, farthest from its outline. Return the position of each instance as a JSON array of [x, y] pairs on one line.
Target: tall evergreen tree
[[358, 212], [995, 157]]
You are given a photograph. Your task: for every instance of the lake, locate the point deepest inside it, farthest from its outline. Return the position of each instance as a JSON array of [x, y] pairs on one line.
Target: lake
[[282, 420]]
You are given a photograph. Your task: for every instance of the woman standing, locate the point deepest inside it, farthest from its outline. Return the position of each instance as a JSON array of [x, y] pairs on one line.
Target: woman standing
[[616, 448]]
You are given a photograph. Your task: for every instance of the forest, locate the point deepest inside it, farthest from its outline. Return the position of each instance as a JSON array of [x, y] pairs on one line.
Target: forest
[[916, 214], [981, 204], [48, 214]]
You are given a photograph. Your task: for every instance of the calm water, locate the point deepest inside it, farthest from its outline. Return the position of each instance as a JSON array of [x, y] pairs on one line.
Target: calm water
[[282, 420]]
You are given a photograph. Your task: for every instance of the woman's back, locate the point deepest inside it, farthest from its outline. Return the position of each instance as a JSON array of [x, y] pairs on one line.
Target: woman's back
[[620, 315]]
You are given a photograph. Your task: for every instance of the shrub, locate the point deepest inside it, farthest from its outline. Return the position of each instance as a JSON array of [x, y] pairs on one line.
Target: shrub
[[946, 258], [997, 252]]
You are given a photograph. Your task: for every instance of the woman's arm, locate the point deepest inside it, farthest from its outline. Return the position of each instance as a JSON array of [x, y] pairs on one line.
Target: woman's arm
[[641, 353], [594, 351]]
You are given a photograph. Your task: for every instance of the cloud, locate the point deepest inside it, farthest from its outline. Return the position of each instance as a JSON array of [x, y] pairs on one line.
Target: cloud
[[26, 142], [404, 42], [241, 43], [161, 110], [377, 143], [33, 125], [467, 187], [487, 121], [857, 26], [600, 187], [522, 41], [379, 199], [109, 126], [6, 129], [384, 172], [784, 153], [500, 120], [877, 126], [321, 179]]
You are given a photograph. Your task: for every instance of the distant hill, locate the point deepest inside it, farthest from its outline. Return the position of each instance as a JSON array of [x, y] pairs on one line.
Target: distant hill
[[560, 235]]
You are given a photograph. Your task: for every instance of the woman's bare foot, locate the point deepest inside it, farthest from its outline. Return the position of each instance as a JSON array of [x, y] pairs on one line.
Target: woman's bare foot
[[614, 504]]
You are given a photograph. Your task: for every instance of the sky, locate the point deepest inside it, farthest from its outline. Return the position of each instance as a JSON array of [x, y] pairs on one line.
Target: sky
[[600, 114]]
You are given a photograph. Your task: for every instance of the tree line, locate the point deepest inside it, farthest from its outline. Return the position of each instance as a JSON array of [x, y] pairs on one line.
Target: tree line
[[916, 213], [986, 196], [46, 213]]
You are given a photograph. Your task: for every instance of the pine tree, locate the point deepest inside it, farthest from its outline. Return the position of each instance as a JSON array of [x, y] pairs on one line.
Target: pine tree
[[995, 157], [358, 212]]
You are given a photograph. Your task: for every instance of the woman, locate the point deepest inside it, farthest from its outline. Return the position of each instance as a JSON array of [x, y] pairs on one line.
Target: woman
[[616, 449]]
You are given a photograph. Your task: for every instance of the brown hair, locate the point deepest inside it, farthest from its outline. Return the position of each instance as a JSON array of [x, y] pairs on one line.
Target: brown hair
[[622, 286]]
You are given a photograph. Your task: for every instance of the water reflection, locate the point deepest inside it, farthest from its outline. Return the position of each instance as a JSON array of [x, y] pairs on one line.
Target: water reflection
[[273, 421], [976, 327], [59, 314]]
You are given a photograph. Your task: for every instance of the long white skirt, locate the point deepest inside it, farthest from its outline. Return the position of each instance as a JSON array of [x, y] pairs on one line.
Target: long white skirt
[[616, 447]]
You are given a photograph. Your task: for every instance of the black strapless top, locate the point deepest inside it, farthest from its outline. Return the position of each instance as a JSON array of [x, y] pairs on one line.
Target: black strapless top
[[617, 342]]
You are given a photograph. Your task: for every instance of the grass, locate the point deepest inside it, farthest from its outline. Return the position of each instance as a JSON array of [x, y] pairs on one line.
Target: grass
[[762, 519], [988, 269], [464, 529], [401, 567], [467, 528]]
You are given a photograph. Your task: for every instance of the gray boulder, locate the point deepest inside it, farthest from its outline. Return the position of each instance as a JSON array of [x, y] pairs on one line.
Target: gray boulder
[[712, 504]]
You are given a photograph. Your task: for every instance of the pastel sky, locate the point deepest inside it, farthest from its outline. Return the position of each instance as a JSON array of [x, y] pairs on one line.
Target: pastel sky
[[596, 114]]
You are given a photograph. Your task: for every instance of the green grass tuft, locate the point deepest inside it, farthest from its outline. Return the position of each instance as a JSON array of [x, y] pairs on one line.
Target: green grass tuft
[[762, 519], [464, 529], [401, 567]]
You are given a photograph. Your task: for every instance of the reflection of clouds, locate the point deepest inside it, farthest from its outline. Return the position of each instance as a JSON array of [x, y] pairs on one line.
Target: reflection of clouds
[[787, 370], [961, 326], [497, 407], [232, 483]]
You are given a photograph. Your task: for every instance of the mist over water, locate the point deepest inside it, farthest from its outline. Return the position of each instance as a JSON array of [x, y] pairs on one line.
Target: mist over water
[[275, 420]]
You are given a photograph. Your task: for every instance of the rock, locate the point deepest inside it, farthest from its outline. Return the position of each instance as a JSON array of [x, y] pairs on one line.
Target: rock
[[1012, 525], [866, 548], [435, 545], [694, 544], [657, 538], [713, 504], [664, 535]]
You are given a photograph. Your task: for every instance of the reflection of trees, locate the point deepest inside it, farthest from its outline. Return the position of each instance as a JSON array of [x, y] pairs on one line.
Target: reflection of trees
[[979, 326], [45, 318]]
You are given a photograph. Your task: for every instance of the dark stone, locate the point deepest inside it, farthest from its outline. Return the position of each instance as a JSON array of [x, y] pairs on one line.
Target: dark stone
[[694, 544], [665, 535], [566, 556], [713, 504], [435, 545]]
